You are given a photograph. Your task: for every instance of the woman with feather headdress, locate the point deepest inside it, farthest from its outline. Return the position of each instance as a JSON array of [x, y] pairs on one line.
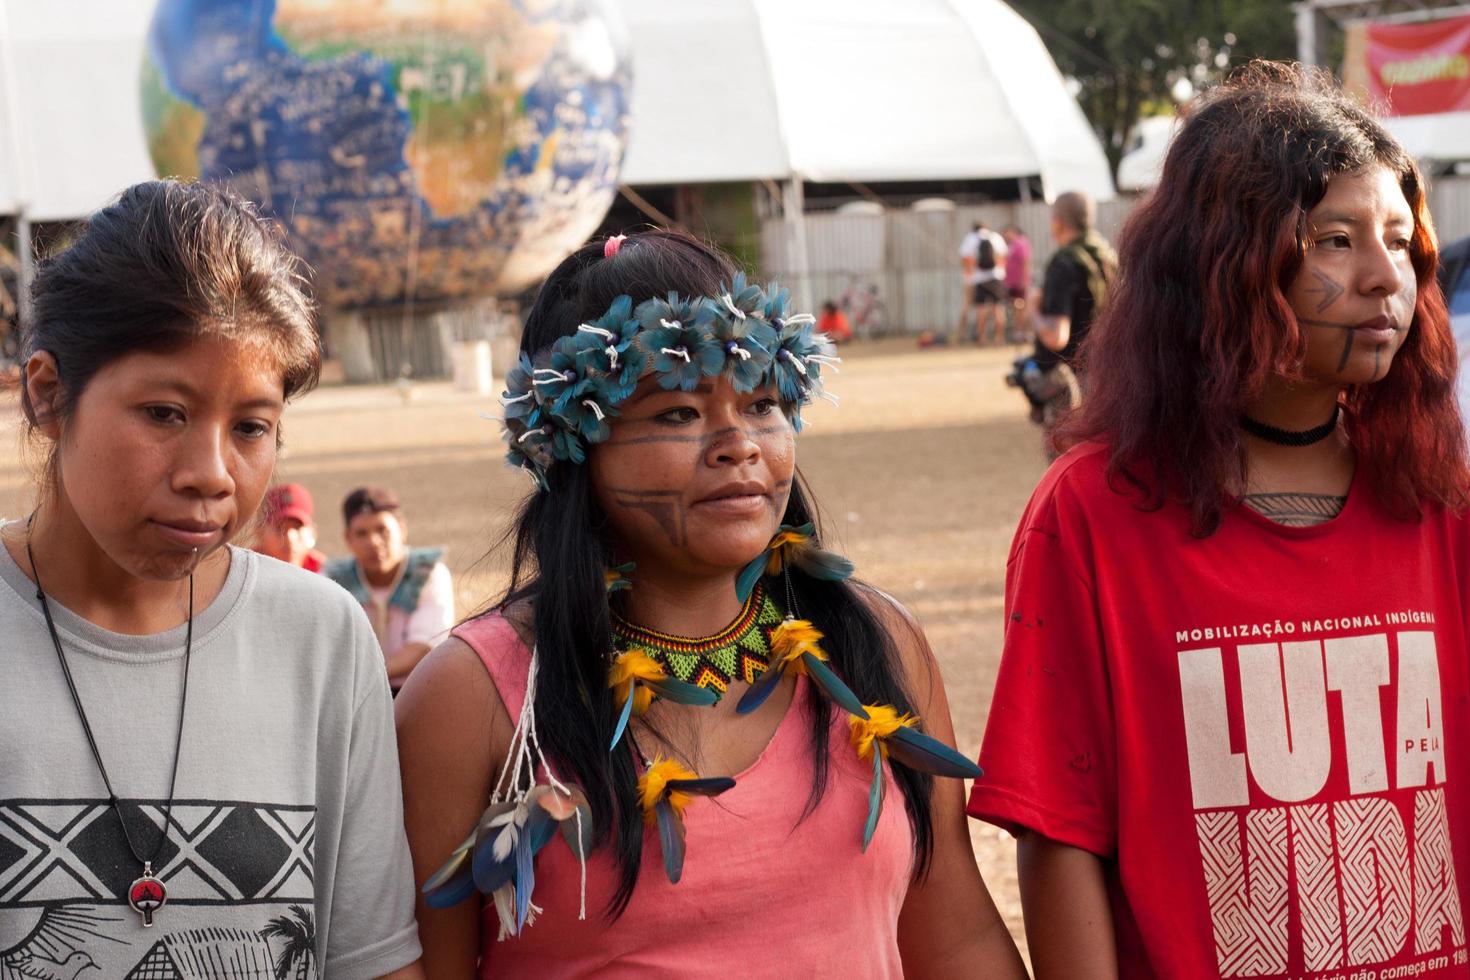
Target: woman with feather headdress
[[684, 743]]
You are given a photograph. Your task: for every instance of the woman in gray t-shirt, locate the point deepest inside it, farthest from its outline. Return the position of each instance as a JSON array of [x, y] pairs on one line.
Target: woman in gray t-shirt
[[200, 775]]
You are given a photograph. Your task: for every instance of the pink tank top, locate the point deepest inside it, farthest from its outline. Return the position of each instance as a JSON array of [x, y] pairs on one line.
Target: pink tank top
[[764, 893]]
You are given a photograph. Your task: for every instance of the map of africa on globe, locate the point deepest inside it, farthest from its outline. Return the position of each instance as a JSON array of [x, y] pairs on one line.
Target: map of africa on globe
[[413, 149]]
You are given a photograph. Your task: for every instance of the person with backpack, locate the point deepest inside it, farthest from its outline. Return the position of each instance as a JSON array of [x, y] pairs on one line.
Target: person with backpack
[[983, 256], [1076, 282]]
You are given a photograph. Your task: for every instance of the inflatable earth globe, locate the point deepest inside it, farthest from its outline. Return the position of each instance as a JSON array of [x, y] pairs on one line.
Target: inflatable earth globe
[[422, 150]]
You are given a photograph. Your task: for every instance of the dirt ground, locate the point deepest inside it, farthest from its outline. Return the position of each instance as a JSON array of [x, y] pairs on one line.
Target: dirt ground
[[922, 474]]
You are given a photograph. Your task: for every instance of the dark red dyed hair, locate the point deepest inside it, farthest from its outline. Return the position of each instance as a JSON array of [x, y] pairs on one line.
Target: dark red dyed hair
[[1198, 319]]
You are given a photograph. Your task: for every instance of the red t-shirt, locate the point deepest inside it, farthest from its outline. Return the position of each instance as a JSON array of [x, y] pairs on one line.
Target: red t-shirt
[[1259, 731], [835, 326]]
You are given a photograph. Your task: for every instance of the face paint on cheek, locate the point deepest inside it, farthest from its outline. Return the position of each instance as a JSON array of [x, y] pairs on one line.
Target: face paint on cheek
[[714, 437], [1329, 289], [1347, 350], [780, 496], [665, 507], [648, 440]]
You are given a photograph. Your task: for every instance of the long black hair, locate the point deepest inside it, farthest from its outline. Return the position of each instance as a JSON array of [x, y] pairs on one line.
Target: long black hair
[[560, 552]]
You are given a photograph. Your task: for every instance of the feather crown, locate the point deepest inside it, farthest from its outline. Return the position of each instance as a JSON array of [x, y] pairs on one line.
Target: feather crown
[[558, 402]]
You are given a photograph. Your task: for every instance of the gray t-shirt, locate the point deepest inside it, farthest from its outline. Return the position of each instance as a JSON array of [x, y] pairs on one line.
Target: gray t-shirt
[[286, 845]]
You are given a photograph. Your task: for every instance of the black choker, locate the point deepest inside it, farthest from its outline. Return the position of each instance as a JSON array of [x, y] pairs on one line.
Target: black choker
[[1285, 437]]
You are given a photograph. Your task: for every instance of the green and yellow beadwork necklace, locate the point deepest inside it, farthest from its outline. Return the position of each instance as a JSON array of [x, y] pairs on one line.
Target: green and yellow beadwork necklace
[[739, 652]]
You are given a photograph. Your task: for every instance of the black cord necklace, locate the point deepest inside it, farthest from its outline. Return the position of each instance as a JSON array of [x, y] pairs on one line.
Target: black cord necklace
[[146, 894], [1286, 437]]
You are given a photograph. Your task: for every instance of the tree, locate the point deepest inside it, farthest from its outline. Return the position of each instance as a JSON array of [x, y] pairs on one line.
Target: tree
[[1128, 56], [298, 930]]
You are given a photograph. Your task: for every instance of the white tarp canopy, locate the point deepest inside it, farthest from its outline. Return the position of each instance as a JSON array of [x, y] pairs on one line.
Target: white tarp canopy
[[825, 90], [851, 90], [71, 129], [1438, 136]]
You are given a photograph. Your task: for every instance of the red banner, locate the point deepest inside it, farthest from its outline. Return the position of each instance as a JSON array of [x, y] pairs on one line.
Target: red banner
[[1420, 68]]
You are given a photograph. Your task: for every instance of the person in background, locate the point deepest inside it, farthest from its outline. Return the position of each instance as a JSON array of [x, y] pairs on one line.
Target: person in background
[[989, 288], [833, 322], [1018, 274], [969, 245], [287, 529], [1076, 283], [407, 593]]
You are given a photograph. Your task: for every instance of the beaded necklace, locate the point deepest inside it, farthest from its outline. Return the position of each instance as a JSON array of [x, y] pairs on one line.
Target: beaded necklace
[[740, 651]]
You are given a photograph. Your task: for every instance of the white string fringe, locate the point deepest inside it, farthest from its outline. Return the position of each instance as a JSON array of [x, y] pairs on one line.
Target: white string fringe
[[676, 352], [794, 361], [524, 758], [556, 376]]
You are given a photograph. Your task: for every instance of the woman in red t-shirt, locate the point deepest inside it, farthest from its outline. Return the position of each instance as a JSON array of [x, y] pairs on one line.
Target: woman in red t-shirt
[[1233, 711]]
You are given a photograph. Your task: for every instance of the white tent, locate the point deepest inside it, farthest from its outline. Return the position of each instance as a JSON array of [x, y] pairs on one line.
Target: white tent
[[71, 131], [824, 90], [851, 90]]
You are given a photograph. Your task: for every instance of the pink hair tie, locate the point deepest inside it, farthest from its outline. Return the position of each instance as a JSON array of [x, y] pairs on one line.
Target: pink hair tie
[[611, 246]]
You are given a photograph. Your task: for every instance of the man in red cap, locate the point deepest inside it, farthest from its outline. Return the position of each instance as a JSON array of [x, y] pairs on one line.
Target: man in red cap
[[287, 528]]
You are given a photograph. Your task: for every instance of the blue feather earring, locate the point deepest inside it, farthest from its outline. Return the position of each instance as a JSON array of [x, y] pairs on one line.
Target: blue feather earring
[[794, 546], [881, 732]]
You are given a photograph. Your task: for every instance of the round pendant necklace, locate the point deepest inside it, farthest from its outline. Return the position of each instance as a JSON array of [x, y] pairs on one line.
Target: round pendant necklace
[[147, 893], [1286, 437]]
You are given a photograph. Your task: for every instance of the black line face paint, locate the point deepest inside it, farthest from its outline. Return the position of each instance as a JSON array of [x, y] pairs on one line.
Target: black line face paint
[[1347, 350], [664, 506], [1330, 289], [1348, 342], [647, 440], [715, 436], [704, 441]]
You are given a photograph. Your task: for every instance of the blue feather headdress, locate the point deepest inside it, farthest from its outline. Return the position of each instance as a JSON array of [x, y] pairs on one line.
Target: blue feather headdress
[[558, 402]]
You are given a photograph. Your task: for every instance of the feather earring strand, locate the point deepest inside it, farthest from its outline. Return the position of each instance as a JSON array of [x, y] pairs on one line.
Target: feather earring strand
[[794, 546], [664, 790], [619, 577], [896, 737], [636, 678], [794, 646]]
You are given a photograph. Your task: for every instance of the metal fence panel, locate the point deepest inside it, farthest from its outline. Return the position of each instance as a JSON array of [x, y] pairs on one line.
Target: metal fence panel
[[1449, 202], [899, 272]]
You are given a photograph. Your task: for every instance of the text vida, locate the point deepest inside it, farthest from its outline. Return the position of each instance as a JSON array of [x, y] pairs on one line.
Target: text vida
[[1369, 868]]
